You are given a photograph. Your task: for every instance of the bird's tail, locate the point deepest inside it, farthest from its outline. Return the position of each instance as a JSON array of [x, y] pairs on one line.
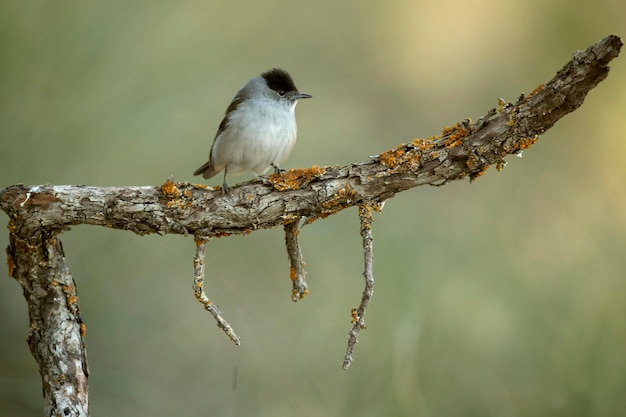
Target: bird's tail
[[207, 171]]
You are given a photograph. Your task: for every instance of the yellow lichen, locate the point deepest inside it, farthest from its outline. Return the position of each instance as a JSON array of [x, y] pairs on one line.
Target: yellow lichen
[[343, 198], [526, 143], [299, 295], [472, 162], [295, 179], [454, 135], [391, 158], [354, 314], [424, 144], [169, 189]]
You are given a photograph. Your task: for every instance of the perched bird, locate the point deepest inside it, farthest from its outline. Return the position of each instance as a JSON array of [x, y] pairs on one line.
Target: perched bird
[[259, 128]]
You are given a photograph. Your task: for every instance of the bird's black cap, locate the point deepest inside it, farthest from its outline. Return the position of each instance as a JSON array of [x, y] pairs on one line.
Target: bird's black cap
[[279, 80]]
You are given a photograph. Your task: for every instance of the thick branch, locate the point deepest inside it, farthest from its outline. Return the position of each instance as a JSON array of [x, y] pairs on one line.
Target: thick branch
[[464, 150], [56, 329]]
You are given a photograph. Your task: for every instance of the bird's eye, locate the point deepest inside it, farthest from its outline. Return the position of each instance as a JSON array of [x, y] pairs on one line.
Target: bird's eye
[[281, 93]]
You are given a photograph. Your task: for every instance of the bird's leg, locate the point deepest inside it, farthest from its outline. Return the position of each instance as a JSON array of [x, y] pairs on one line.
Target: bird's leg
[[225, 187], [278, 170]]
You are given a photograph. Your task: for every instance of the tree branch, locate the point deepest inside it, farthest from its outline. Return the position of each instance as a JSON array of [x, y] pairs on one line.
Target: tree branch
[[358, 314], [198, 290], [465, 149], [56, 333], [37, 214], [296, 264]]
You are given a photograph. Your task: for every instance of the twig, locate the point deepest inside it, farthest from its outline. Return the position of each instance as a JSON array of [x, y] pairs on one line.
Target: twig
[[296, 264], [198, 290], [358, 314]]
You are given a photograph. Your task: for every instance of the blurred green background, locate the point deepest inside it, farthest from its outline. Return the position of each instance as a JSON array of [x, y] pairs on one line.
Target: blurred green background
[[506, 297]]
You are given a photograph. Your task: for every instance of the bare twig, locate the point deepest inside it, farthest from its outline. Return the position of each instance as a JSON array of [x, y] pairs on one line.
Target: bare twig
[[358, 314], [296, 264], [198, 290]]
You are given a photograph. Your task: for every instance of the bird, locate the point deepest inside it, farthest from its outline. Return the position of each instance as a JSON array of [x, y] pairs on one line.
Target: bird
[[258, 130]]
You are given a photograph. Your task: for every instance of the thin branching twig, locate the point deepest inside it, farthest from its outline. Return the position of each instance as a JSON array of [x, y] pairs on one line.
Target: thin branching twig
[[296, 264], [358, 314], [198, 290]]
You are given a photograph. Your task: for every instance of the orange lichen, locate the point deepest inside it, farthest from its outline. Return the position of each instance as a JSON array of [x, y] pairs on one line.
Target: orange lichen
[[412, 160], [299, 295], [472, 162], [400, 156], [424, 144], [391, 158], [175, 203], [343, 198], [169, 189], [11, 226], [526, 143], [69, 290], [354, 314], [454, 135], [179, 195], [83, 329], [295, 179]]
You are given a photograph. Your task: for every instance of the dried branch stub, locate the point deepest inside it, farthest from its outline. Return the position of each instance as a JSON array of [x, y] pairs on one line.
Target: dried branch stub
[[198, 290], [358, 314], [296, 264]]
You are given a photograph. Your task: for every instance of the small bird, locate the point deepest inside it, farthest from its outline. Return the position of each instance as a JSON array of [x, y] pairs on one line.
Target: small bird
[[258, 129]]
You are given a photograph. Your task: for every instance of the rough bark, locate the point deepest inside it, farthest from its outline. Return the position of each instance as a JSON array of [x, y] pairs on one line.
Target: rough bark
[[37, 214]]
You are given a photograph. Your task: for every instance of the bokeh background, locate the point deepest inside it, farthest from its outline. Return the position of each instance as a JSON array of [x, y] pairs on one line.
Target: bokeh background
[[506, 297]]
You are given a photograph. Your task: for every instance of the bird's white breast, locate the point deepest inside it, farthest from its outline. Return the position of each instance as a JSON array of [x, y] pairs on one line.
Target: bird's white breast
[[260, 132]]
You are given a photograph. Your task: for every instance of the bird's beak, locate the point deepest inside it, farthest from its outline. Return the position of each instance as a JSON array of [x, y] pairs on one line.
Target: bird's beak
[[299, 96]]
